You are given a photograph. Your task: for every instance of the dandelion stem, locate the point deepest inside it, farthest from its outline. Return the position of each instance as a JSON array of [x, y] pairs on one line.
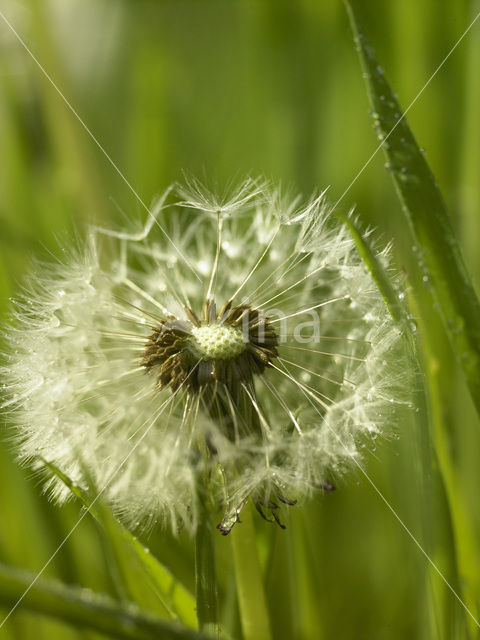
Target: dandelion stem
[[251, 595], [205, 572]]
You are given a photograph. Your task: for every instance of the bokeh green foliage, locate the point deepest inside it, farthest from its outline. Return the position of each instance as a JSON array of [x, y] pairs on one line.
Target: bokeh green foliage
[[221, 89]]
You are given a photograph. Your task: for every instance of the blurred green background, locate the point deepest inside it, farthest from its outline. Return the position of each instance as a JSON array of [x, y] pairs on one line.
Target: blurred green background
[[223, 89]]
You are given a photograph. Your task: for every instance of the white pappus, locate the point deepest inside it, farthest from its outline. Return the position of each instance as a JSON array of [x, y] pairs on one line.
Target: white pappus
[[238, 344]]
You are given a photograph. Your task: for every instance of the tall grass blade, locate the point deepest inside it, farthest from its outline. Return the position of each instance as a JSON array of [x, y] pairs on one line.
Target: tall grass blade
[[427, 215]]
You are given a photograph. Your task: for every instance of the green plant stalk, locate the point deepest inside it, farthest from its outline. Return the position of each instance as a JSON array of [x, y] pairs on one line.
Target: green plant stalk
[[205, 570], [466, 549], [427, 216], [444, 270], [145, 580], [422, 448], [470, 152], [383, 282], [459, 558], [305, 578], [467, 552], [456, 550], [86, 609], [466, 545], [251, 594]]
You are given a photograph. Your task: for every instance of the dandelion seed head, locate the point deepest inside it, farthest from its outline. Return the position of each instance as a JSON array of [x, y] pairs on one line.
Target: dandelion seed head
[[250, 347], [218, 342]]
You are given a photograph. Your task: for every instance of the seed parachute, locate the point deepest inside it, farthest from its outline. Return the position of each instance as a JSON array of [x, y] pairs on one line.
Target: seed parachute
[[237, 344]]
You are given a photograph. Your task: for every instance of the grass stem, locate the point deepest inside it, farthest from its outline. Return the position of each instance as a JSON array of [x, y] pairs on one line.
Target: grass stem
[[205, 571], [251, 595]]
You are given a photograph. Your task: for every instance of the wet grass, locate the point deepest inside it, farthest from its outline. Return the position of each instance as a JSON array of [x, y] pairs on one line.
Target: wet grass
[[223, 89]]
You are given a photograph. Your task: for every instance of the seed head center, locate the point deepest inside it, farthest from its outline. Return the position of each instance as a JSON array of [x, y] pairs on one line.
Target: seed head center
[[217, 342], [227, 347]]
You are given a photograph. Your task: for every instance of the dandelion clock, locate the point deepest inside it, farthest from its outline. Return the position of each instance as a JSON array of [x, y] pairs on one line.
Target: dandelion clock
[[235, 348]]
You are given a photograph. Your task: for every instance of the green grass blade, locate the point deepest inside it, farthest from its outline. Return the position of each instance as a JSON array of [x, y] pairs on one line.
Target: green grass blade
[[253, 606], [427, 216], [420, 452], [205, 568], [377, 271], [144, 579], [84, 608]]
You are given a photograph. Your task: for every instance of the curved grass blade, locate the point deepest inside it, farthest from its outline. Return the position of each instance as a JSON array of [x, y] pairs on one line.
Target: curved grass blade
[[430, 482], [377, 271], [144, 579], [86, 609], [427, 216]]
